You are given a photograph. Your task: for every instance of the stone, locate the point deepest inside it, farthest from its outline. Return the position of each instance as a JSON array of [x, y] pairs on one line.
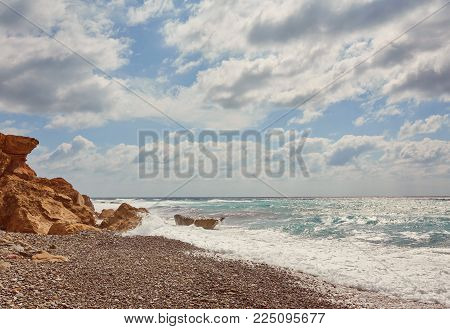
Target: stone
[[17, 248], [6, 242], [125, 218], [44, 256], [206, 223], [65, 228], [4, 265]]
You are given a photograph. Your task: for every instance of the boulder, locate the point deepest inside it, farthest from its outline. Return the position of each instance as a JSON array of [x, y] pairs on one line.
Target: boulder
[[125, 218], [206, 223], [30, 204], [65, 228], [183, 220]]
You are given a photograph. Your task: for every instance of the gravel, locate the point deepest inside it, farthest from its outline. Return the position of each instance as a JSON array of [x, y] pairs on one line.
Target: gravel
[[111, 271]]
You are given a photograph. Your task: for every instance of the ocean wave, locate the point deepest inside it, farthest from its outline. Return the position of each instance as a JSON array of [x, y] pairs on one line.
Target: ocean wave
[[228, 201]]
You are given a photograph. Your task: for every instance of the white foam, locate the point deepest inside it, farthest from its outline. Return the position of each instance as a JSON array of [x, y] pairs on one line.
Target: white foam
[[417, 274], [228, 201]]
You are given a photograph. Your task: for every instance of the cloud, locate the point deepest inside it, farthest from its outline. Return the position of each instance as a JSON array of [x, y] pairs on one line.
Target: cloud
[[423, 83], [38, 76], [81, 155], [388, 111], [425, 160], [313, 18], [358, 122], [428, 126], [304, 45], [240, 76], [426, 151], [377, 115], [351, 159], [350, 147], [148, 10], [9, 127]]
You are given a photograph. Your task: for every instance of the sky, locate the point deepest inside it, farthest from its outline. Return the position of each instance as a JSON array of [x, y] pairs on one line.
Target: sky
[[84, 77]]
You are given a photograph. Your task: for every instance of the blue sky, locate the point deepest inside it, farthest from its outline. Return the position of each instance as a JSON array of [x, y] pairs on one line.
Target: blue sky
[[232, 65]]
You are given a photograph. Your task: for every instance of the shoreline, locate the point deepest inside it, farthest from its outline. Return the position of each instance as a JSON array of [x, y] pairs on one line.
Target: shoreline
[[107, 270]]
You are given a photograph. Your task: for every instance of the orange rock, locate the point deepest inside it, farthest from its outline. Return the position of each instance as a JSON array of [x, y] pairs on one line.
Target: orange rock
[[125, 218], [5, 160], [106, 213], [88, 202], [17, 145], [17, 148], [30, 204], [44, 256], [65, 228]]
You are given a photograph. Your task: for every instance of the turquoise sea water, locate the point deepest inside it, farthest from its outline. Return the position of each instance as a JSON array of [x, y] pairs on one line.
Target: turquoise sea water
[[407, 222]]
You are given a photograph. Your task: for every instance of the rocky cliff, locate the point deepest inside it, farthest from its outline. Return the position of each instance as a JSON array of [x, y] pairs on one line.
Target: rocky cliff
[[31, 204]]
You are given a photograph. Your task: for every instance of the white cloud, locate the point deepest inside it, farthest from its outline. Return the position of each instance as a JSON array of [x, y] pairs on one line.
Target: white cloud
[[351, 159], [149, 9], [350, 147], [388, 111], [426, 151], [359, 121], [259, 57], [304, 45], [8, 128], [430, 125], [39, 76], [378, 115]]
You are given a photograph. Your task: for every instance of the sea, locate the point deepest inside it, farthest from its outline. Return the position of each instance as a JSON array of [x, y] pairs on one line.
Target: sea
[[396, 246]]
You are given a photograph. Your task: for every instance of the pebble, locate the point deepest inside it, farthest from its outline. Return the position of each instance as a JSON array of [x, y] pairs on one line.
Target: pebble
[[4, 265]]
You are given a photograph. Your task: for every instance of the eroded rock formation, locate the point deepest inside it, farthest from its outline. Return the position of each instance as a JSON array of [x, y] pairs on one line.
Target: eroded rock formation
[[13, 155], [30, 204], [125, 218]]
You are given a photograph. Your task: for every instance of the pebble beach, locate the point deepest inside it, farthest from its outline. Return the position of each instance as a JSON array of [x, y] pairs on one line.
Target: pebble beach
[[107, 270]]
